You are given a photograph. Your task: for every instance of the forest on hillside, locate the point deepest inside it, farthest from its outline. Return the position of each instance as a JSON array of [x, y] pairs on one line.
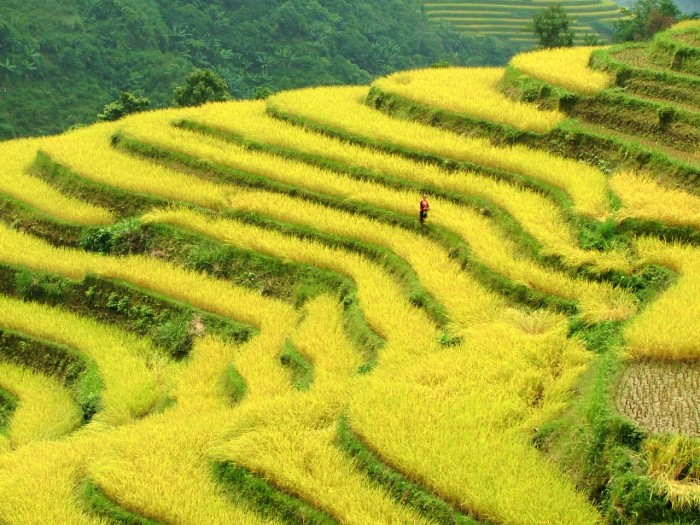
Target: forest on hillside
[[62, 61]]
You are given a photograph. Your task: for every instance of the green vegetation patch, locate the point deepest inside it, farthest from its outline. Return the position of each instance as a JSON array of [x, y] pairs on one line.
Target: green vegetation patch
[[100, 504], [266, 499], [300, 368], [234, 385], [8, 404], [62, 61], [22, 217], [71, 367]]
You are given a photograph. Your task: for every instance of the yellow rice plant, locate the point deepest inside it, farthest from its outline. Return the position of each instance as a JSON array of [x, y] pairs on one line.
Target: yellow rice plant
[[674, 465], [160, 467], [343, 108], [538, 215], [17, 156], [565, 66], [321, 338], [668, 328], [491, 246], [45, 410], [459, 421], [599, 301], [290, 439], [38, 484], [383, 311], [130, 390], [643, 198], [470, 91], [87, 151], [687, 24], [409, 334]]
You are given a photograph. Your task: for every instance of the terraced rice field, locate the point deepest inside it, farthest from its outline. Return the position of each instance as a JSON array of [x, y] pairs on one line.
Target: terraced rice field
[[508, 19], [231, 314]]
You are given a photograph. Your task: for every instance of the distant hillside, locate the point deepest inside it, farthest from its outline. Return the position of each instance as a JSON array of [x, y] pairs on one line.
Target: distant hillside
[[687, 7], [508, 18], [62, 61]]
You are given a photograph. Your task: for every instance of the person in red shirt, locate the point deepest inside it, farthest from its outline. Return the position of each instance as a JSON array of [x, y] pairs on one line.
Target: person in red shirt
[[424, 208]]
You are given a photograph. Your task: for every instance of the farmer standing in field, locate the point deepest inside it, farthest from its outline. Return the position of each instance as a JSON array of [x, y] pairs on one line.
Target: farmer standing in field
[[424, 208]]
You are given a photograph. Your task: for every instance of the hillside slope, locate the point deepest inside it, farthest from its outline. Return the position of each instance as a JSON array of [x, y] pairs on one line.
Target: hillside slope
[[233, 313], [509, 18], [61, 62]]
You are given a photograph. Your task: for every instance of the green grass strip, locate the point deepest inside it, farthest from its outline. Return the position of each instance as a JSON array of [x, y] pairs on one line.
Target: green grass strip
[[27, 219], [680, 234], [399, 487], [300, 368], [266, 499], [98, 502], [234, 385], [602, 150], [73, 368], [453, 243], [120, 202], [8, 404], [166, 321]]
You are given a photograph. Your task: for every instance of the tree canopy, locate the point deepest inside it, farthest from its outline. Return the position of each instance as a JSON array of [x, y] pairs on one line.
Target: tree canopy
[[203, 85], [126, 104], [61, 61], [551, 27], [647, 17]]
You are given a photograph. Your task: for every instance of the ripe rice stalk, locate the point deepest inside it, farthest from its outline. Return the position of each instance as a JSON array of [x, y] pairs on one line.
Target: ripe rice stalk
[[342, 108], [668, 328], [470, 91], [17, 156], [46, 410], [538, 215], [565, 66], [644, 198]]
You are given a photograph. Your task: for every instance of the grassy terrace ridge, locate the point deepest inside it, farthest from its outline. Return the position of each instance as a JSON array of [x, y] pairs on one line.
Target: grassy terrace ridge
[[458, 250], [252, 326], [101, 505], [634, 72], [598, 145]]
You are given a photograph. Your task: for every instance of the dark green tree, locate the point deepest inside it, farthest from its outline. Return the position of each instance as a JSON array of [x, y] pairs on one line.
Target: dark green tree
[[262, 92], [551, 27], [126, 104], [203, 85], [646, 18]]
